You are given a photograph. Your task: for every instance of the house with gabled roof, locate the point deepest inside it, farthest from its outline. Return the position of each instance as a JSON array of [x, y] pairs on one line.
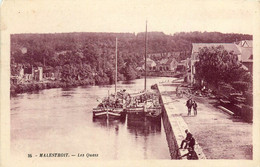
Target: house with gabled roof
[[150, 65], [167, 65], [246, 44], [246, 58], [183, 65]]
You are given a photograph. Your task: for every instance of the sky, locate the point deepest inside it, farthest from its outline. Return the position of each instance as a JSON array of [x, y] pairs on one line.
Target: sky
[[168, 16]]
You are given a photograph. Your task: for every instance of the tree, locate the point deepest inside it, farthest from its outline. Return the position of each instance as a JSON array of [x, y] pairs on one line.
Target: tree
[[217, 65], [129, 72]]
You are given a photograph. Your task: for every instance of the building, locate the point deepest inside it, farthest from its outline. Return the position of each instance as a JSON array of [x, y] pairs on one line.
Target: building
[[196, 48], [139, 68], [150, 65], [167, 65], [14, 80], [38, 74], [246, 58], [21, 73], [183, 65]]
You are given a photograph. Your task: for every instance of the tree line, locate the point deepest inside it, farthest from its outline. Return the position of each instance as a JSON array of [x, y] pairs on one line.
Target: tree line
[[90, 57]]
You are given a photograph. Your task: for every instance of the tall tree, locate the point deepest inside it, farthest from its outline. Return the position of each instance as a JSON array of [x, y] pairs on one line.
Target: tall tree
[[217, 65]]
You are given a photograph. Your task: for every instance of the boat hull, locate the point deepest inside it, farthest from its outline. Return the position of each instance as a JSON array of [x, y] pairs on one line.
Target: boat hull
[[153, 113], [108, 113], [135, 109]]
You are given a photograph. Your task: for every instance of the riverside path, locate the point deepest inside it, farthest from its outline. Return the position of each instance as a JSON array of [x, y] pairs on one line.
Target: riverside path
[[218, 135]]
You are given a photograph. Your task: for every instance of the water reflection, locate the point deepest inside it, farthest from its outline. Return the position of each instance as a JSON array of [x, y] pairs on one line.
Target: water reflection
[[108, 122], [128, 82], [141, 126], [61, 120]]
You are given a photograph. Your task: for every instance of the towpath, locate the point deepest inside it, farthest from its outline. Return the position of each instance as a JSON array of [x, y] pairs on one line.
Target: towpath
[[218, 135]]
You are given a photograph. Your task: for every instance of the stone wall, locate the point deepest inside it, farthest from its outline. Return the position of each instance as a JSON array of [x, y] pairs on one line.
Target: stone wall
[[170, 137], [175, 127]]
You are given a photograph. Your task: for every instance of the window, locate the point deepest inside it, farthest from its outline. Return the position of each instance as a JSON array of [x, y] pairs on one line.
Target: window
[[193, 69], [239, 57]]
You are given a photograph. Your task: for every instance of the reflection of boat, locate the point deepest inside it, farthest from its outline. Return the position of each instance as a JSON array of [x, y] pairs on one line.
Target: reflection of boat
[[141, 126], [110, 122]]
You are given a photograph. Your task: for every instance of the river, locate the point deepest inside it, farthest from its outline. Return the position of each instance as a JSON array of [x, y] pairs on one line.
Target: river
[[60, 121]]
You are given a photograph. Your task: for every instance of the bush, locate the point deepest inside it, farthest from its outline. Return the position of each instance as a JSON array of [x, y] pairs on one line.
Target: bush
[[240, 86], [247, 113], [249, 97], [225, 90], [37, 86]]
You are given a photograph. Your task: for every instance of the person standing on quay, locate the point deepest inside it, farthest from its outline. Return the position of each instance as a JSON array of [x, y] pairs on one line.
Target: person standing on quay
[[194, 105], [189, 105]]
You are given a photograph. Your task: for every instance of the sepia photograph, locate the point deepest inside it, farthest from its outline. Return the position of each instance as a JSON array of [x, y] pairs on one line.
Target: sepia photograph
[[136, 83]]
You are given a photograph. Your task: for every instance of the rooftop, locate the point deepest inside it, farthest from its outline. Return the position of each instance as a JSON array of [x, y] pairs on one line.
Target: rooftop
[[246, 43], [246, 54], [166, 61], [227, 46]]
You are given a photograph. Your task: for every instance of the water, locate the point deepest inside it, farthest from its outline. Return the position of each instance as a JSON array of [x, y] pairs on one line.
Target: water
[[60, 121]]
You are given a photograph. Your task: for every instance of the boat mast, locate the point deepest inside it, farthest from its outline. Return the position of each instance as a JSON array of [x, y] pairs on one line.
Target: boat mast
[[145, 52], [116, 69]]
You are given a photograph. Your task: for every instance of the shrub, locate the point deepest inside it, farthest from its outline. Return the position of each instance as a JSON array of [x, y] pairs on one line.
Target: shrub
[[249, 97], [240, 86], [247, 113]]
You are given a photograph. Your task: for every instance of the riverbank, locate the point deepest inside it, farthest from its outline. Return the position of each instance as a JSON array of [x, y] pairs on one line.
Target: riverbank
[[47, 84], [34, 86], [171, 74], [219, 135]]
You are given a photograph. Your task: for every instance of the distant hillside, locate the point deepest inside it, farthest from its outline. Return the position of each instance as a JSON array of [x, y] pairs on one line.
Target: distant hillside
[[94, 52]]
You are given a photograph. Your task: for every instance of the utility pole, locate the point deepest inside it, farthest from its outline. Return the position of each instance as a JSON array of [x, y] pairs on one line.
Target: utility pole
[[116, 69], [145, 54]]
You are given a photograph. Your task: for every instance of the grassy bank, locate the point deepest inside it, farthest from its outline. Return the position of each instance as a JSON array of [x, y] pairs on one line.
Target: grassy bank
[[29, 87]]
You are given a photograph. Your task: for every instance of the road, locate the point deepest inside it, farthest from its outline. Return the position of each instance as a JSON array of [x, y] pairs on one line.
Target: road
[[221, 136]]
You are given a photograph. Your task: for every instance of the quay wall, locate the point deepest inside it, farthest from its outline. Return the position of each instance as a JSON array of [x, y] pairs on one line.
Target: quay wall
[[170, 137], [175, 127]]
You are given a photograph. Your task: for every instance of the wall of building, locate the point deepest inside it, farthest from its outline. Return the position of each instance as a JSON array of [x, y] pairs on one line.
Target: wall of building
[[249, 65]]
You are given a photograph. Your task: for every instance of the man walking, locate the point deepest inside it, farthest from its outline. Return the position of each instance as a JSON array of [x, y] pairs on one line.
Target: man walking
[[189, 105], [195, 107]]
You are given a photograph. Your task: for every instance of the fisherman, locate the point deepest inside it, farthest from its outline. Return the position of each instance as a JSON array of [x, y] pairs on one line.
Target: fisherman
[[192, 142], [186, 140], [194, 105], [191, 155], [189, 105]]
